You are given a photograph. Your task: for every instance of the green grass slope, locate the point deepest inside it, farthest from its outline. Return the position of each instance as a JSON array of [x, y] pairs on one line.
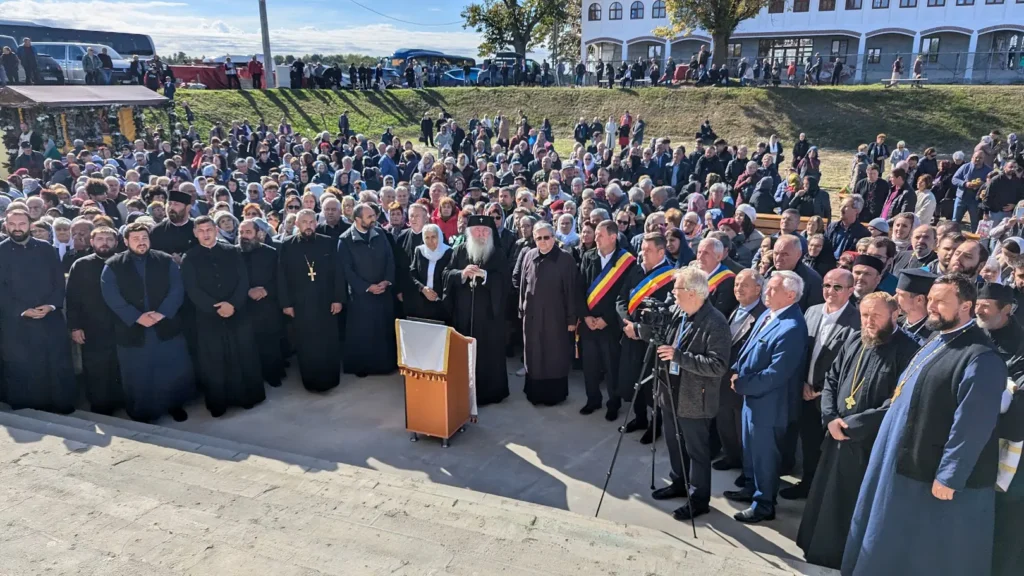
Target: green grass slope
[[949, 117]]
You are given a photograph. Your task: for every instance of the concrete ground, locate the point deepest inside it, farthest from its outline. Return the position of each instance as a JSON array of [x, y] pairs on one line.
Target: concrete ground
[[550, 456]]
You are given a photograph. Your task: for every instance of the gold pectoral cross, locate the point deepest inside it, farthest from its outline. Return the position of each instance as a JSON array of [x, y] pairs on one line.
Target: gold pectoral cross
[[312, 273], [850, 403]]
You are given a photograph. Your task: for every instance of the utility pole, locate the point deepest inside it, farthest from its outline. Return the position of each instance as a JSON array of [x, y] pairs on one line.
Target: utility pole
[[268, 62]]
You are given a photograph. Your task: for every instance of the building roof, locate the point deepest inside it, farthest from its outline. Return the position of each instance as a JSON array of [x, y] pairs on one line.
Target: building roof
[[78, 96]]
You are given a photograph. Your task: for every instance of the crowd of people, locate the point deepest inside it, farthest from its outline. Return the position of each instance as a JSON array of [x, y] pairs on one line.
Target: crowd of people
[[884, 342]]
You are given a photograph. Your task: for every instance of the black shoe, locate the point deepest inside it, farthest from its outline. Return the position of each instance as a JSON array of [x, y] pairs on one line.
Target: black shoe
[[178, 414], [674, 490], [276, 383], [612, 414], [688, 511], [217, 412], [741, 481], [738, 496], [633, 426], [589, 409], [725, 464], [650, 436], [754, 515], [360, 374], [797, 492]]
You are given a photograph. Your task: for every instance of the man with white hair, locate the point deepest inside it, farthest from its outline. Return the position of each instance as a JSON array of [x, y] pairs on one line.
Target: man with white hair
[[767, 373], [697, 359], [475, 288], [710, 254]]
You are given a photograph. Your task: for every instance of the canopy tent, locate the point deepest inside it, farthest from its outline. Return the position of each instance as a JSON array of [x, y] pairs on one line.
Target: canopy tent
[[78, 96]]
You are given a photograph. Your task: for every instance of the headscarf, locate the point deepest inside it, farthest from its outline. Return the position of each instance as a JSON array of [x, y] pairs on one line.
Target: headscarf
[[228, 237], [697, 203], [433, 256], [716, 217], [570, 239]]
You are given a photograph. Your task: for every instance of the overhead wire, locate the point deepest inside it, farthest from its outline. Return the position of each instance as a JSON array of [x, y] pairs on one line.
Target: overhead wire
[[381, 14]]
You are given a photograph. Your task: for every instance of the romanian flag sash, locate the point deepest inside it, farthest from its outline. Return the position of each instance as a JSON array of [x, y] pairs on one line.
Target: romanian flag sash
[[721, 274], [616, 267], [658, 278]]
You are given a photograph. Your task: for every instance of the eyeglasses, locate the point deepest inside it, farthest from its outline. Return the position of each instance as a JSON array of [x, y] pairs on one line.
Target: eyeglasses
[[292, 207], [623, 222], [544, 238], [833, 287]]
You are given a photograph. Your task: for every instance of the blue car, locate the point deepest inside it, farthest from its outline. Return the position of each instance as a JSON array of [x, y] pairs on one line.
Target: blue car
[[456, 77]]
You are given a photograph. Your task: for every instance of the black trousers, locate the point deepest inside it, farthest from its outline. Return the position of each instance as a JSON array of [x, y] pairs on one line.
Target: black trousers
[[600, 352], [631, 361], [428, 138], [233, 79], [729, 423], [811, 436], [257, 81], [690, 449]]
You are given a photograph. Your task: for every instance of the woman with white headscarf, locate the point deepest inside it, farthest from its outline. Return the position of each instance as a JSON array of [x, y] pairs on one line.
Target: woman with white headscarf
[[427, 270], [566, 231]]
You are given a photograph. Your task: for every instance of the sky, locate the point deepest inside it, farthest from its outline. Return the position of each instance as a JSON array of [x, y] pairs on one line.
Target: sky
[[218, 27]]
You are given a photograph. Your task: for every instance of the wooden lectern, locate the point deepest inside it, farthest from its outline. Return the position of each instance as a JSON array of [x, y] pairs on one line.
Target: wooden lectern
[[438, 364]]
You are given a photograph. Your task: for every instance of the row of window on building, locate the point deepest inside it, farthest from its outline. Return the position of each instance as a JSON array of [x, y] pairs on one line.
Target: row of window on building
[[636, 9]]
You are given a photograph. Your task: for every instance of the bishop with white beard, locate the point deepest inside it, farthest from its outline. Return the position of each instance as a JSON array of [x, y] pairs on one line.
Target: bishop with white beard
[[476, 285]]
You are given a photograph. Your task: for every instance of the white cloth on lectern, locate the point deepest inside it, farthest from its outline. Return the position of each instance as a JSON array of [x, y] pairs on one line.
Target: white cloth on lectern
[[421, 346]]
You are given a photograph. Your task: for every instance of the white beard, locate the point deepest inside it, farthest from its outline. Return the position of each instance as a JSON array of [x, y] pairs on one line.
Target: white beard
[[479, 250]]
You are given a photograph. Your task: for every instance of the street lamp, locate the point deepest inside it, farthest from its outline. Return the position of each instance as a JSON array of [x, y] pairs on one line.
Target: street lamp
[[268, 61]]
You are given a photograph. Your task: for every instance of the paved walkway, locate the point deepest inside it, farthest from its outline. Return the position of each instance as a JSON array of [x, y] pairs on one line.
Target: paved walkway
[[87, 495], [550, 456]]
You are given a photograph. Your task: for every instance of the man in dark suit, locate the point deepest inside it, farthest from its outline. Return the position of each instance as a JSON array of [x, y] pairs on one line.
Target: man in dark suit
[[696, 361], [747, 289], [787, 255], [677, 174], [710, 254], [829, 325], [764, 372]]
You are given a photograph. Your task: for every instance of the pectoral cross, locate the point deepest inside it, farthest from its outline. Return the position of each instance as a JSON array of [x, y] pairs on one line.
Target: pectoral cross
[[312, 273], [850, 402]]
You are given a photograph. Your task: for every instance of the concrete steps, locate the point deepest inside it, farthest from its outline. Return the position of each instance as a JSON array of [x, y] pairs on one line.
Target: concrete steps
[[116, 496]]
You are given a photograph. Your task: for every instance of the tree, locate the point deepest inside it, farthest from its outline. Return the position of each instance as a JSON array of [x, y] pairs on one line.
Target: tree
[[567, 30], [719, 17], [512, 23]]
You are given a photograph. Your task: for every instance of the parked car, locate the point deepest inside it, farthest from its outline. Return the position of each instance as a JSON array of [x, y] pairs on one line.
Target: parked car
[[50, 71], [455, 77], [69, 55]]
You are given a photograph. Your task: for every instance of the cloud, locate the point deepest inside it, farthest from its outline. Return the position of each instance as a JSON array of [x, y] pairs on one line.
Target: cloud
[[178, 26]]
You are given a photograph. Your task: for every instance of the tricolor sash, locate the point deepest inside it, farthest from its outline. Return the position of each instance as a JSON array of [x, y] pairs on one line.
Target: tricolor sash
[[658, 278], [721, 274], [610, 274]]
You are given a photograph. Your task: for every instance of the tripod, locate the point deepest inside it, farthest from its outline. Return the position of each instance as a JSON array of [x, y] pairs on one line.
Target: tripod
[[657, 373]]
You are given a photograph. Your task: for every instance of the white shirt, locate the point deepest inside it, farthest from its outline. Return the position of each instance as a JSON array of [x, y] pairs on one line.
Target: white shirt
[[605, 259], [828, 322]]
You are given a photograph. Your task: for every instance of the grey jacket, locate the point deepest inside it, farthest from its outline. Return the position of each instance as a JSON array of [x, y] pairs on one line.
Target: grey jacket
[[703, 359]]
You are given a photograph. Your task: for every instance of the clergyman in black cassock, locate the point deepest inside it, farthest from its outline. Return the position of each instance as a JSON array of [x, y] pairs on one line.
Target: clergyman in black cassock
[[144, 290], [217, 283], [866, 371], [548, 303], [263, 308], [367, 263], [475, 288], [36, 349], [92, 325], [312, 292]]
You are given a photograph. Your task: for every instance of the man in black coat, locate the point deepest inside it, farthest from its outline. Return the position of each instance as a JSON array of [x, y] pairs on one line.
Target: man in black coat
[[828, 327], [263, 306], [787, 256], [91, 324]]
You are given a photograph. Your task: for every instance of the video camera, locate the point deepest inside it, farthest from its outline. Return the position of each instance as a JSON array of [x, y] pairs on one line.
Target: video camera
[[655, 320]]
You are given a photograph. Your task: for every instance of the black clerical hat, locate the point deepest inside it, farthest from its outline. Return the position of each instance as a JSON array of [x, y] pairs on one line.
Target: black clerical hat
[[868, 260], [916, 281], [479, 220], [183, 197], [1000, 293]]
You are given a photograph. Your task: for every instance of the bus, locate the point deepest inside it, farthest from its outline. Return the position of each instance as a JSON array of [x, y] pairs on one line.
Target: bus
[[123, 43], [403, 56]]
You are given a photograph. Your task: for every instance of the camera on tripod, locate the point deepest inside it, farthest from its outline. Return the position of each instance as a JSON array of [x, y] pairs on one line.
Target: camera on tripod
[[655, 320]]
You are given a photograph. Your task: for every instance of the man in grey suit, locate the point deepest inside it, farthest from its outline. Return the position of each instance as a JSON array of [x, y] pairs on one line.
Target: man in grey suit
[[829, 325], [696, 360], [729, 423]]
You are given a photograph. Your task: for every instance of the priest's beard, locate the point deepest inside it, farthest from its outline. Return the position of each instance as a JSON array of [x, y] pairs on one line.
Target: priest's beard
[[248, 245], [176, 217], [874, 340], [479, 250], [939, 324], [18, 236], [105, 252], [307, 233]]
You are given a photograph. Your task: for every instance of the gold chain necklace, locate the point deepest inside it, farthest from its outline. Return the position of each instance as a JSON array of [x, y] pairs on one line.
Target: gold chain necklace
[[909, 372], [850, 402]]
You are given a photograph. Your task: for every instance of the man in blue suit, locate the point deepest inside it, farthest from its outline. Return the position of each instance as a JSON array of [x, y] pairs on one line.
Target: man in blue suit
[[767, 375]]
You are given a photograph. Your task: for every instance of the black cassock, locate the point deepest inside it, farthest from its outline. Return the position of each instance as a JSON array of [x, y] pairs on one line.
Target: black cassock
[[367, 259], [1009, 344], [480, 313], [309, 281], [548, 302], [88, 312], [37, 370], [166, 237], [225, 355], [833, 497], [265, 314]]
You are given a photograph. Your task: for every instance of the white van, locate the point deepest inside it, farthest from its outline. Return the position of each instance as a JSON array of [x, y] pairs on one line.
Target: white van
[[69, 55]]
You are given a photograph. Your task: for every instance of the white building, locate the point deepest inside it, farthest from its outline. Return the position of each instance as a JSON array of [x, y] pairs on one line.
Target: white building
[[961, 40]]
